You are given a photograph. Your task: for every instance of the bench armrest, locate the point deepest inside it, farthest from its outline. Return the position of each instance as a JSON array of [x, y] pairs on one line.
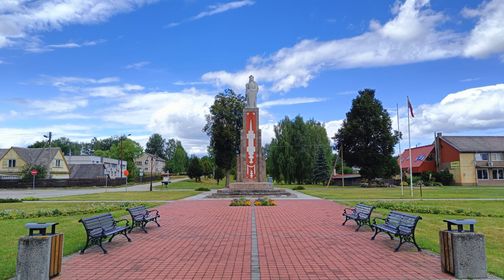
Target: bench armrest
[[121, 220], [153, 210], [349, 209]]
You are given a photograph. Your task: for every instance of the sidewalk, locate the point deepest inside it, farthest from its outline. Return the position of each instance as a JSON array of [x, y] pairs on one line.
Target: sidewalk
[[207, 239], [58, 192]]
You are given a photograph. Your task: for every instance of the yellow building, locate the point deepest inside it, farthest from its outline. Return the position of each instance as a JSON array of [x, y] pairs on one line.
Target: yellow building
[[15, 159]]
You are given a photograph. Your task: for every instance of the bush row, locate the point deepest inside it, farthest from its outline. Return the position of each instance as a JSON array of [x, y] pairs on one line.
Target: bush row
[[8, 214], [430, 210]]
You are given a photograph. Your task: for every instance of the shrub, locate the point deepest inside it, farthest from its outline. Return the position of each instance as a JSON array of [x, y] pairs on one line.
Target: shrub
[[298, 188], [30, 198], [202, 189], [10, 200], [444, 177]]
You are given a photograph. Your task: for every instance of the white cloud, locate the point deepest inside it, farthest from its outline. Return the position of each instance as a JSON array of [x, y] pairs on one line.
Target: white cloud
[[214, 10], [64, 81], [22, 137], [267, 132], [474, 111], [112, 91], [487, 37], [289, 101], [411, 36], [173, 114], [137, 65], [332, 127], [21, 19], [55, 105]]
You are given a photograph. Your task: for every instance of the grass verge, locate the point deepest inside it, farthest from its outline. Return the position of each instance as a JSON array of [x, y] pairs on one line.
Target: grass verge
[[75, 236], [191, 184]]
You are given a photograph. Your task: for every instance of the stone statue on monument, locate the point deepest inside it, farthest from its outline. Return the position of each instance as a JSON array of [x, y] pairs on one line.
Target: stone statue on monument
[[251, 92]]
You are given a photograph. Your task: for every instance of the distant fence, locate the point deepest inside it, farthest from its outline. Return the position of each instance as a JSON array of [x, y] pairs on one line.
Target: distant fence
[[61, 183]]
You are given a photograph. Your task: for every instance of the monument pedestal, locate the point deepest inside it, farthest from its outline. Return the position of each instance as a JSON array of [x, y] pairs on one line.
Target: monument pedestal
[[251, 186]]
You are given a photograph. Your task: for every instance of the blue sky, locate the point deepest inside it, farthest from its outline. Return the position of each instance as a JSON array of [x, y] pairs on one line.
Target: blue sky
[[99, 68]]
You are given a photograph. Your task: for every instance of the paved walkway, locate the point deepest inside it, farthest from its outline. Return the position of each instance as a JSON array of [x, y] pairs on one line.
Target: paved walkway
[[58, 192], [207, 239]]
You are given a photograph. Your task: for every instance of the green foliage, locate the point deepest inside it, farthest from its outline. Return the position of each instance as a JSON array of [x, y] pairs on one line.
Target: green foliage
[[321, 168], [412, 208], [177, 159], [156, 145], [208, 165], [202, 189], [30, 198], [64, 143], [293, 152], [195, 170], [26, 171], [10, 200], [367, 138], [298, 188], [444, 177], [223, 126], [8, 214]]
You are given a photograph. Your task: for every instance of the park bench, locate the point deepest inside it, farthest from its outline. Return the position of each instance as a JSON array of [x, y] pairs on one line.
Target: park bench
[[140, 216], [100, 227], [361, 214], [400, 225]]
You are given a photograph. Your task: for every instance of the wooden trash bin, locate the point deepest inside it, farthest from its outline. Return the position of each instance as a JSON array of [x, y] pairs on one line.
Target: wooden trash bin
[[56, 254]]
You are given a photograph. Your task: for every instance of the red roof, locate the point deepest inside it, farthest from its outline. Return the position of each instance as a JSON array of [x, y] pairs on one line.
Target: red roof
[[418, 154]]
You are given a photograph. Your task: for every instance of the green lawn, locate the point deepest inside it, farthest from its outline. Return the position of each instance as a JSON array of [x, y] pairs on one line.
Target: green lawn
[[12, 229], [488, 214], [393, 193], [191, 184], [127, 196]]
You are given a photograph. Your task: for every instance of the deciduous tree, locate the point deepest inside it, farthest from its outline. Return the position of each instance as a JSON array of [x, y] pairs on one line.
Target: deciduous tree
[[367, 137]]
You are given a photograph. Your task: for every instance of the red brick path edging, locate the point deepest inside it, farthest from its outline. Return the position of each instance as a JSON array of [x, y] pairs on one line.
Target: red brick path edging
[[298, 239]]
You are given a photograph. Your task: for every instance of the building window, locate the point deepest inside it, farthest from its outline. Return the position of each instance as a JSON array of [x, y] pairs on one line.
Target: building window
[[498, 174], [497, 156], [481, 156], [483, 174], [58, 163], [12, 163]]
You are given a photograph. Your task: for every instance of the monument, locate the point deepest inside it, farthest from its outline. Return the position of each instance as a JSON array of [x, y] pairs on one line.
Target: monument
[[250, 163]]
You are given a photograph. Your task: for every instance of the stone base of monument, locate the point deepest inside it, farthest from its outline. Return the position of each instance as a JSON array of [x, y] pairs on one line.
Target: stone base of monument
[[254, 189], [251, 186]]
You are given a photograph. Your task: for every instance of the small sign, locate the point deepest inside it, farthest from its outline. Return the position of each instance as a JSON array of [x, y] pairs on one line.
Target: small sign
[[454, 164], [126, 172], [34, 172]]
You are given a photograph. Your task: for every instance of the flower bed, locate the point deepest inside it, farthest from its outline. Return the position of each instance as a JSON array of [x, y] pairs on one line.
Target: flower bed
[[264, 202], [240, 202]]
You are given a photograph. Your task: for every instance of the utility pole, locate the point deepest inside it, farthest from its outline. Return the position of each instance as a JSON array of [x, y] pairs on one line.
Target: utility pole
[[151, 161], [49, 137]]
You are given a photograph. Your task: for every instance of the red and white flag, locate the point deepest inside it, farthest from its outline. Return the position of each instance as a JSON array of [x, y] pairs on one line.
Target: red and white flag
[[410, 107]]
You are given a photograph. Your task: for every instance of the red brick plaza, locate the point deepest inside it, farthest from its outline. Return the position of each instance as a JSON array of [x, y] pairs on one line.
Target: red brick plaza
[[298, 239]]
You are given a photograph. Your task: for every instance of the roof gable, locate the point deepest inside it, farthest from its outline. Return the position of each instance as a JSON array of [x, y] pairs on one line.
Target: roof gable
[[37, 156], [476, 143], [418, 154]]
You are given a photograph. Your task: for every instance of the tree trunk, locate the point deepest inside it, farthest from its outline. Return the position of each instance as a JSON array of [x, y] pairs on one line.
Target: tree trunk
[[227, 178]]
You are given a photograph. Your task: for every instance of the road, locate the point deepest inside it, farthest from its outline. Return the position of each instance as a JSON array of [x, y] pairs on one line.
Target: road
[[57, 192]]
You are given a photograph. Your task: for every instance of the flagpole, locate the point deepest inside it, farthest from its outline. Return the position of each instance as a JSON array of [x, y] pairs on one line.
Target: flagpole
[[400, 151], [409, 142]]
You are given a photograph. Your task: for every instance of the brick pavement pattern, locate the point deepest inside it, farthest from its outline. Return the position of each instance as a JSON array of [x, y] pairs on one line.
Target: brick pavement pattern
[[298, 239]]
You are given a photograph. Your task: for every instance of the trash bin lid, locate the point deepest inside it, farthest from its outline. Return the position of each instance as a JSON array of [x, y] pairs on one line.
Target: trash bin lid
[[39, 225]]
